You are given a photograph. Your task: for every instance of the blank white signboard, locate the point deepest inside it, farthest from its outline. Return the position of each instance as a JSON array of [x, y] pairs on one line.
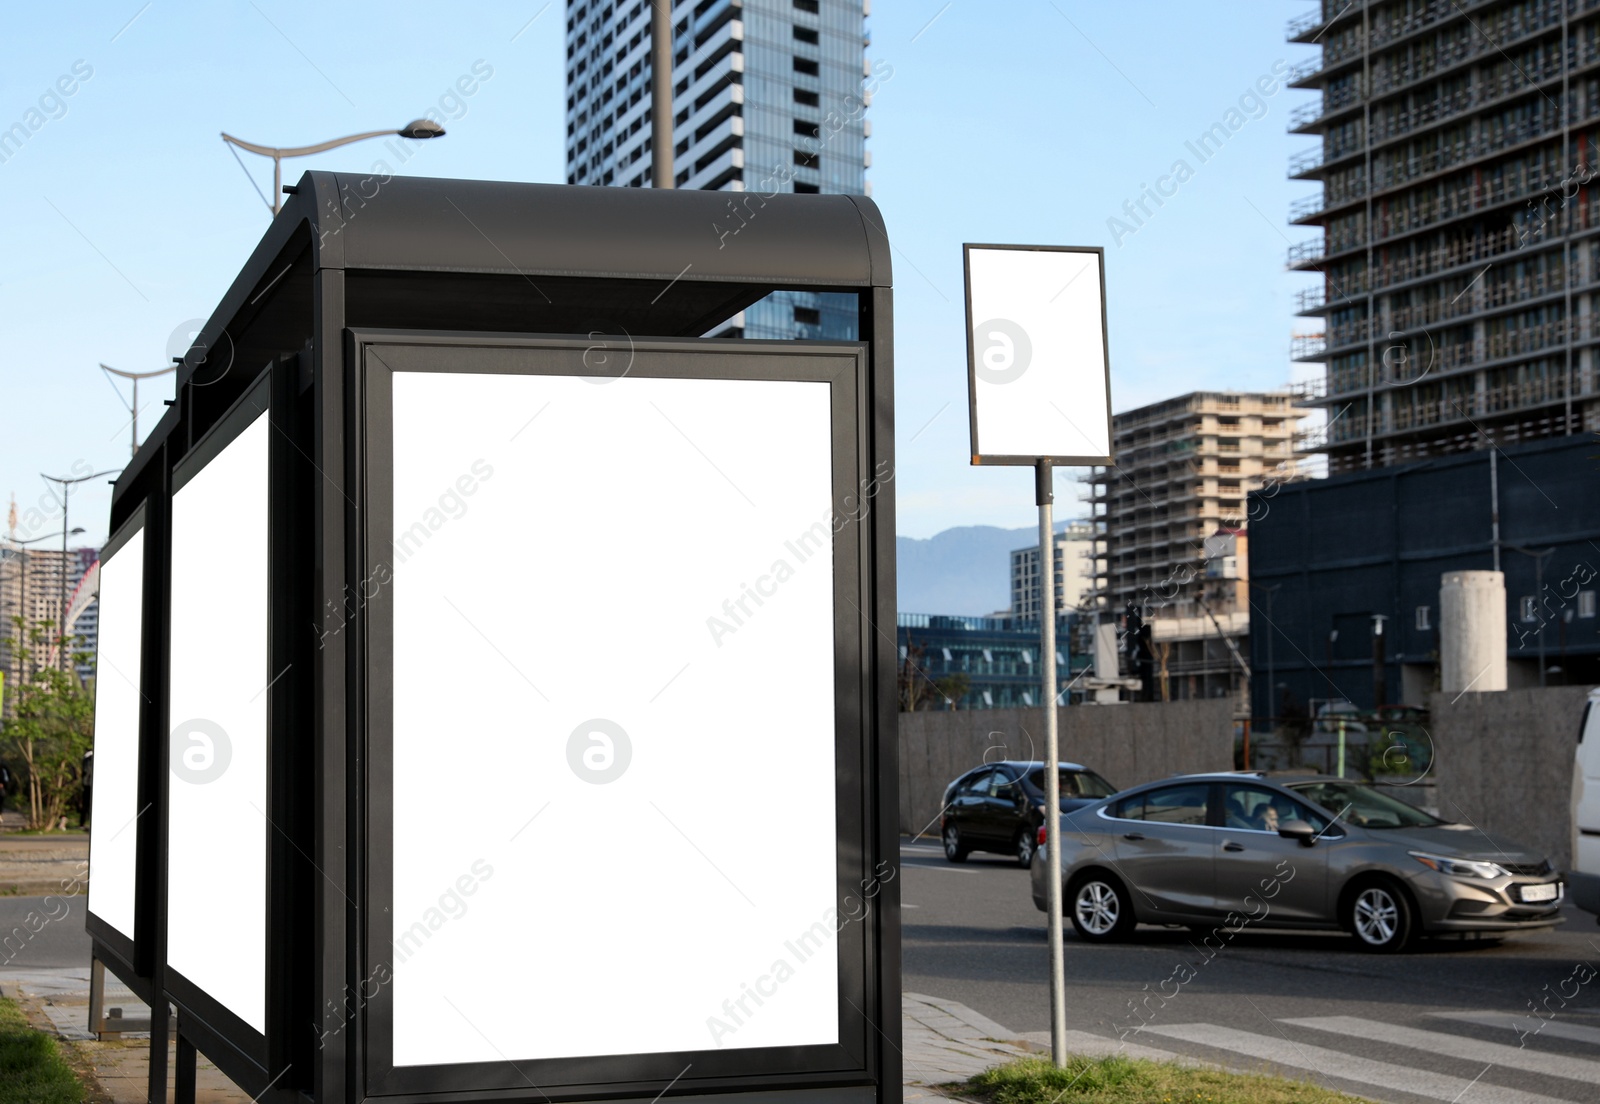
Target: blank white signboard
[[217, 836], [613, 640], [1038, 371], [115, 800]]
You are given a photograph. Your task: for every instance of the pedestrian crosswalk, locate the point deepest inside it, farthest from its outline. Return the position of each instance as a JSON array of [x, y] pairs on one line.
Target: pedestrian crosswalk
[[1398, 1062], [1525, 1026]]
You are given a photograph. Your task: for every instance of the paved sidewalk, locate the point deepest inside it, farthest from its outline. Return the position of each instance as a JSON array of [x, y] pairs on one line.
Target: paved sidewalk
[[58, 999], [945, 1041]]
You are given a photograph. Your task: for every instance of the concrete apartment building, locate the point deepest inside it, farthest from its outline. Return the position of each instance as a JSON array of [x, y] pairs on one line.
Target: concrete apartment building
[[1459, 247], [1170, 516], [1074, 564], [768, 96], [32, 584]]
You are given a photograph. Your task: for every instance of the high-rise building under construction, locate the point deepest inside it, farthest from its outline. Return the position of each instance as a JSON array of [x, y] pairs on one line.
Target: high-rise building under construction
[[1460, 252]]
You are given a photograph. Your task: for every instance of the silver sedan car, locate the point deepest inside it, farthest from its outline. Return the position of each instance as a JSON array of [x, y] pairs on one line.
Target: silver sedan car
[[1220, 852]]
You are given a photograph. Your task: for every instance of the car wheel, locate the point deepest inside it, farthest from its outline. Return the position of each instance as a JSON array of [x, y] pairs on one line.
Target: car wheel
[[1100, 909], [1024, 847], [1380, 916], [954, 849]]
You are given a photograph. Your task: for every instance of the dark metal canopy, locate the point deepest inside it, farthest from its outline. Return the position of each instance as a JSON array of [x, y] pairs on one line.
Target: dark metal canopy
[[518, 258]]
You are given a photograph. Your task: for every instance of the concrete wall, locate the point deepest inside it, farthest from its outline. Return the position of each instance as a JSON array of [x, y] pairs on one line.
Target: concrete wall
[[1127, 744], [1504, 763]]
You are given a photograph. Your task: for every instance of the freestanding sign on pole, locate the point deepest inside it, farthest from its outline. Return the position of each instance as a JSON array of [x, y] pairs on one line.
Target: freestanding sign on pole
[[394, 812], [1039, 393]]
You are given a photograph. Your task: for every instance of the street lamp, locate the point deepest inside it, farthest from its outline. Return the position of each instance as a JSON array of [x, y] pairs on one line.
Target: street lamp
[[22, 584], [66, 494], [1538, 589], [416, 129], [133, 408]]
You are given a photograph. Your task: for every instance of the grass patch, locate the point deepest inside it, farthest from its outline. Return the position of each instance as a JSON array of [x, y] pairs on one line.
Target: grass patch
[[32, 1067], [1117, 1080]]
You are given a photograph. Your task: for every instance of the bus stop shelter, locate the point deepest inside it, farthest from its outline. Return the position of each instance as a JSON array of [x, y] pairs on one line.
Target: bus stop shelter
[[496, 690]]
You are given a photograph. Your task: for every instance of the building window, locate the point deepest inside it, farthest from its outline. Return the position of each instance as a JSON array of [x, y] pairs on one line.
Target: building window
[[806, 6], [803, 188], [803, 34], [804, 159], [803, 65], [808, 316], [806, 129], [1424, 618], [1530, 607], [1585, 603], [809, 99]]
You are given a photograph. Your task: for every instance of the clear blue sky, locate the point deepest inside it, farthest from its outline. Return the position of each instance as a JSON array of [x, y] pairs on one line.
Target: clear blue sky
[[125, 216]]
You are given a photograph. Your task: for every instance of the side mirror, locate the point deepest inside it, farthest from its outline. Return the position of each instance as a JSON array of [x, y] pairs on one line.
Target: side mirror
[[1298, 830]]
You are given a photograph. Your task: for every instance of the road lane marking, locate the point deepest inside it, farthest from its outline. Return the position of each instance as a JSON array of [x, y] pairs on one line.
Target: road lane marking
[[1527, 1027], [1347, 1067], [1457, 1046]]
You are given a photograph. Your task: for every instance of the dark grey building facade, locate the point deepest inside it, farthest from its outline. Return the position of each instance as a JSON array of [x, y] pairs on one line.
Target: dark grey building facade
[[1330, 556]]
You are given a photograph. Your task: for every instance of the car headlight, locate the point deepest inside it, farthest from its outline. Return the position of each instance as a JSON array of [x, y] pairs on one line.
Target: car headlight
[[1461, 868]]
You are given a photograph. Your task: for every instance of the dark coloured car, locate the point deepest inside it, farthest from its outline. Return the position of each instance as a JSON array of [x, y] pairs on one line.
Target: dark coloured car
[[999, 807], [1221, 851]]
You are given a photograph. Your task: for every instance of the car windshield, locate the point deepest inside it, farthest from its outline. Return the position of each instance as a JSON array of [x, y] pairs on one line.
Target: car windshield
[[1363, 806], [1075, 783]]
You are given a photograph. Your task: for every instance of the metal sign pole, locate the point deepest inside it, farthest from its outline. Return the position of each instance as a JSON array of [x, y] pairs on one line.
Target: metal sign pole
[[1045, 495], [1033, 354]]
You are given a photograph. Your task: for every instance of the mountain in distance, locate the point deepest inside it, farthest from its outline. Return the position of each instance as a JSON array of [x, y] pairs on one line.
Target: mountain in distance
[[966, 570]]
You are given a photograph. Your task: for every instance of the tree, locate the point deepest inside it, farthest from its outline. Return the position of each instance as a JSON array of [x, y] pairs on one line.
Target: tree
[[953, 687], [51, 728], [916, 685]]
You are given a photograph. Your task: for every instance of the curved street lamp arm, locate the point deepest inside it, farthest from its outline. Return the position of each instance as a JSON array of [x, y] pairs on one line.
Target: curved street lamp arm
[[81, 478], [138, 375], [302, 151]]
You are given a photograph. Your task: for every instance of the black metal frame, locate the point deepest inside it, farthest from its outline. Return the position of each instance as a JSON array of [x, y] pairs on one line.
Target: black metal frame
[[116, 949], [203, 1019], [978, 458], [523, 262], [844, 367]]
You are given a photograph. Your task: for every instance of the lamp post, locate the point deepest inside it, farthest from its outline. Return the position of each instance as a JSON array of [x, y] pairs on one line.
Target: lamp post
[[66, 494], [416, 129], [133, 407], [1538, 589], [1380, 659], [661, 151]]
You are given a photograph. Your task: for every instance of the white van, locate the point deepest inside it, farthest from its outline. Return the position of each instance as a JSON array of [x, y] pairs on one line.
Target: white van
[[1584, 884]]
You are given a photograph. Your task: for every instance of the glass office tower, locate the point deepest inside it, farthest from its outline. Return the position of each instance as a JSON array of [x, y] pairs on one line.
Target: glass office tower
[[767, 96]]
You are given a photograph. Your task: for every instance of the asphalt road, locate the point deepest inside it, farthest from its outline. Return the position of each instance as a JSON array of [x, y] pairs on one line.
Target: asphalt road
[[40, 933], [972, 934], [1448, 1022]]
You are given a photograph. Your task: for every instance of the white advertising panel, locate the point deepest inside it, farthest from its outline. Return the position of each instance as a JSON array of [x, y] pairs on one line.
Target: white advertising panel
[[1038, 371], [115, 799], [217, 833], [614, 668]]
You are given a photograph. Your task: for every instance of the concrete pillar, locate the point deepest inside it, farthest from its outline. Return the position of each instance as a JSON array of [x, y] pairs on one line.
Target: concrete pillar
[[1106, 662], [1472, 631]]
